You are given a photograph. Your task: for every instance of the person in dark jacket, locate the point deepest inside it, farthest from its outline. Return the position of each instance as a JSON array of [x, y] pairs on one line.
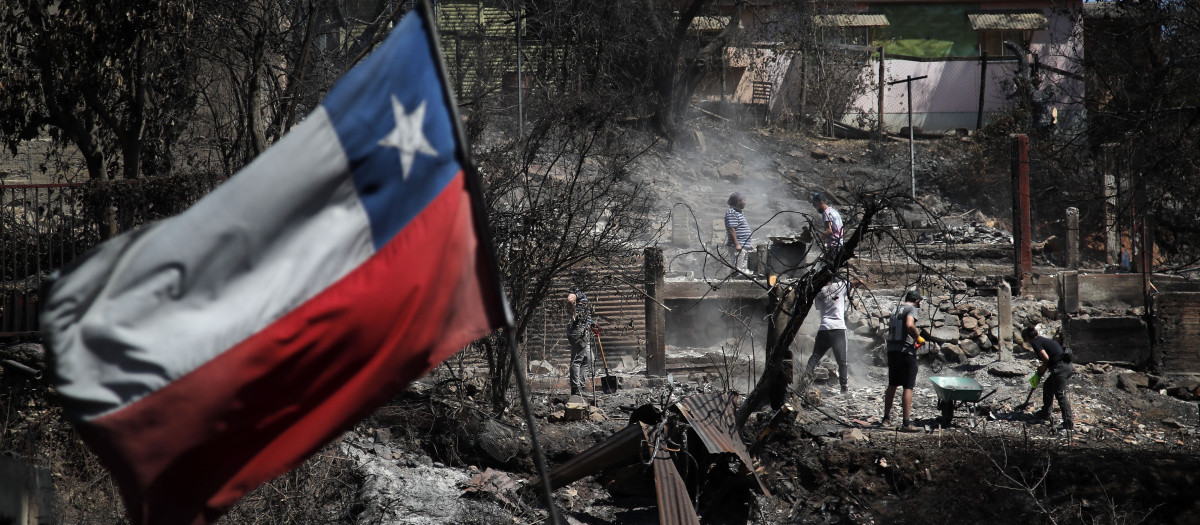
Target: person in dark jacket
[[1057, 363], [579, 337]]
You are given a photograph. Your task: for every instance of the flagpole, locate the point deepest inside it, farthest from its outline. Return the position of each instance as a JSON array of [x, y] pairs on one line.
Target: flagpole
[[522, 387], [474, 186]]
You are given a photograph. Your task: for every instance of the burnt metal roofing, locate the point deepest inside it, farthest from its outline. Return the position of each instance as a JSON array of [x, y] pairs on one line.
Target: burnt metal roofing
[[674, 501], [852, 20], [1008, 20], [620, 448], [712, 416]]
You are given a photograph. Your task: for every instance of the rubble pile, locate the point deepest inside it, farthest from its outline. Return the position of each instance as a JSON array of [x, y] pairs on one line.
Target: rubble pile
[[978, 231]]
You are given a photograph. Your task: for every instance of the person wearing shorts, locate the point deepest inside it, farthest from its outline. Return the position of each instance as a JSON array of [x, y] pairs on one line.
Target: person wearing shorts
[[903, 339]]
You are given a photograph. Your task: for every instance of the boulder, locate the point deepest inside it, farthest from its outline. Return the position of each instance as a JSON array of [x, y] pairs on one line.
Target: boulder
[[985, 344], [969, 348], [969, 322], [953, 353], [1131, 381], [952, 320], [944, 334], [731, 171], [1009, 369]]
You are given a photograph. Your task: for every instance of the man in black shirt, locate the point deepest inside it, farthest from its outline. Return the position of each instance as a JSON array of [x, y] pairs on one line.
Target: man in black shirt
[[1058, 362]]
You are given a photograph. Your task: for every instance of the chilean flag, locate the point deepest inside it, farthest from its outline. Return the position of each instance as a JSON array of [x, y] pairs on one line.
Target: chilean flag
[[208, 353]]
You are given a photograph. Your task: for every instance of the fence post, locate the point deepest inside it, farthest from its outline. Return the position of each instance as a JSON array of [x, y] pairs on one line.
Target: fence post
[[1072, 238], [1023, 260], [1004, 313], [656, 322], [983, 60], [882, 87]]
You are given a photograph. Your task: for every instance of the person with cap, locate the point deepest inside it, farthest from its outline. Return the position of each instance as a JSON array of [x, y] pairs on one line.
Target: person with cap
[[1057, 361], [832, 234], [831, 304], [903, 340], [737, 230], [579, 329]]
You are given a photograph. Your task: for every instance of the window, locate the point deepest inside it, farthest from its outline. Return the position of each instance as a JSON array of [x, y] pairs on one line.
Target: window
[[992, 41]]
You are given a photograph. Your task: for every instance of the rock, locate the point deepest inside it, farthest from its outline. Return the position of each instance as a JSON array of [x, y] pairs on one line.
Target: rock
[[818, 153], [1009, 369], [576, 409], [1184, 393], [1171, 422], [818, 430], [538, 367], [854, 435], [985, 344], [944, 334], [953, 353], [731, 171], [927, 349], [383, 435], [969, 322], [952, 320], [383, 451], [969, 348], [597, 416], [1131, 381]]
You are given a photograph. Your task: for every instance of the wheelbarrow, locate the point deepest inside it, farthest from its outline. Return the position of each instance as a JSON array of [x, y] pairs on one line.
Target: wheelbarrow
[[953, 392]]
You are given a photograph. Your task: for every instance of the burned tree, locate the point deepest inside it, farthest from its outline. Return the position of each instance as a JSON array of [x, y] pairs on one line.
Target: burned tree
[[556, 198], [790, 302]]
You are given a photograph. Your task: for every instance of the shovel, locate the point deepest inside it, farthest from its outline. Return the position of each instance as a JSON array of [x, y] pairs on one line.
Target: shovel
[[1025, 405], [608, 382]]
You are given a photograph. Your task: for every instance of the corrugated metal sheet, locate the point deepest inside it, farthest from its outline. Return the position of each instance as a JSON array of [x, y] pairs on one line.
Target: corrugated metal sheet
[[852, 20], [1177, 324], [674, 502], [619, 449], [618, 304], [1007, 21], [713, 417]]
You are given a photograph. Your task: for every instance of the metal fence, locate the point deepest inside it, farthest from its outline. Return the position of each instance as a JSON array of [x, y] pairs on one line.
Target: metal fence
[[44, 227]]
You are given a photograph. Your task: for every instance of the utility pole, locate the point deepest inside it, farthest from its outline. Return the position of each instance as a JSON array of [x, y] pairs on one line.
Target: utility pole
[[912, 156], [520, 83]]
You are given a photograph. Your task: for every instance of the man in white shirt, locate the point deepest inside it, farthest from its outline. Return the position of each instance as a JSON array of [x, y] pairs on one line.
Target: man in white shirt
[[831, 304]]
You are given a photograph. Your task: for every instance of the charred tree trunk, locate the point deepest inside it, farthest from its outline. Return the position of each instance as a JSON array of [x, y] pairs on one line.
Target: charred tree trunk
[[796, 298]]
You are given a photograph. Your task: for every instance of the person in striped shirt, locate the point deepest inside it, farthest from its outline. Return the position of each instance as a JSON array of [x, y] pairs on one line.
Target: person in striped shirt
[[737, 231], [832, 234]]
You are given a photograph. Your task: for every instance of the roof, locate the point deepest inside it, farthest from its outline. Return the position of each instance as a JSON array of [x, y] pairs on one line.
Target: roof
[[1007, 20], [852, 20]]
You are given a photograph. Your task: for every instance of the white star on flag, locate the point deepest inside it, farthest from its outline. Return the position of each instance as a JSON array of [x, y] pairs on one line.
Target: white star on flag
[[408, 136]]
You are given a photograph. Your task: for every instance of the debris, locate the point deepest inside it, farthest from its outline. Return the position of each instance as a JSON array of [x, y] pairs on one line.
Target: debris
[[539, 367], [576, 409]]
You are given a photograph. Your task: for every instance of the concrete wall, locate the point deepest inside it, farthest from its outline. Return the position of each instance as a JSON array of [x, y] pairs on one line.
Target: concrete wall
[[26, 493], [1111, 339]]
